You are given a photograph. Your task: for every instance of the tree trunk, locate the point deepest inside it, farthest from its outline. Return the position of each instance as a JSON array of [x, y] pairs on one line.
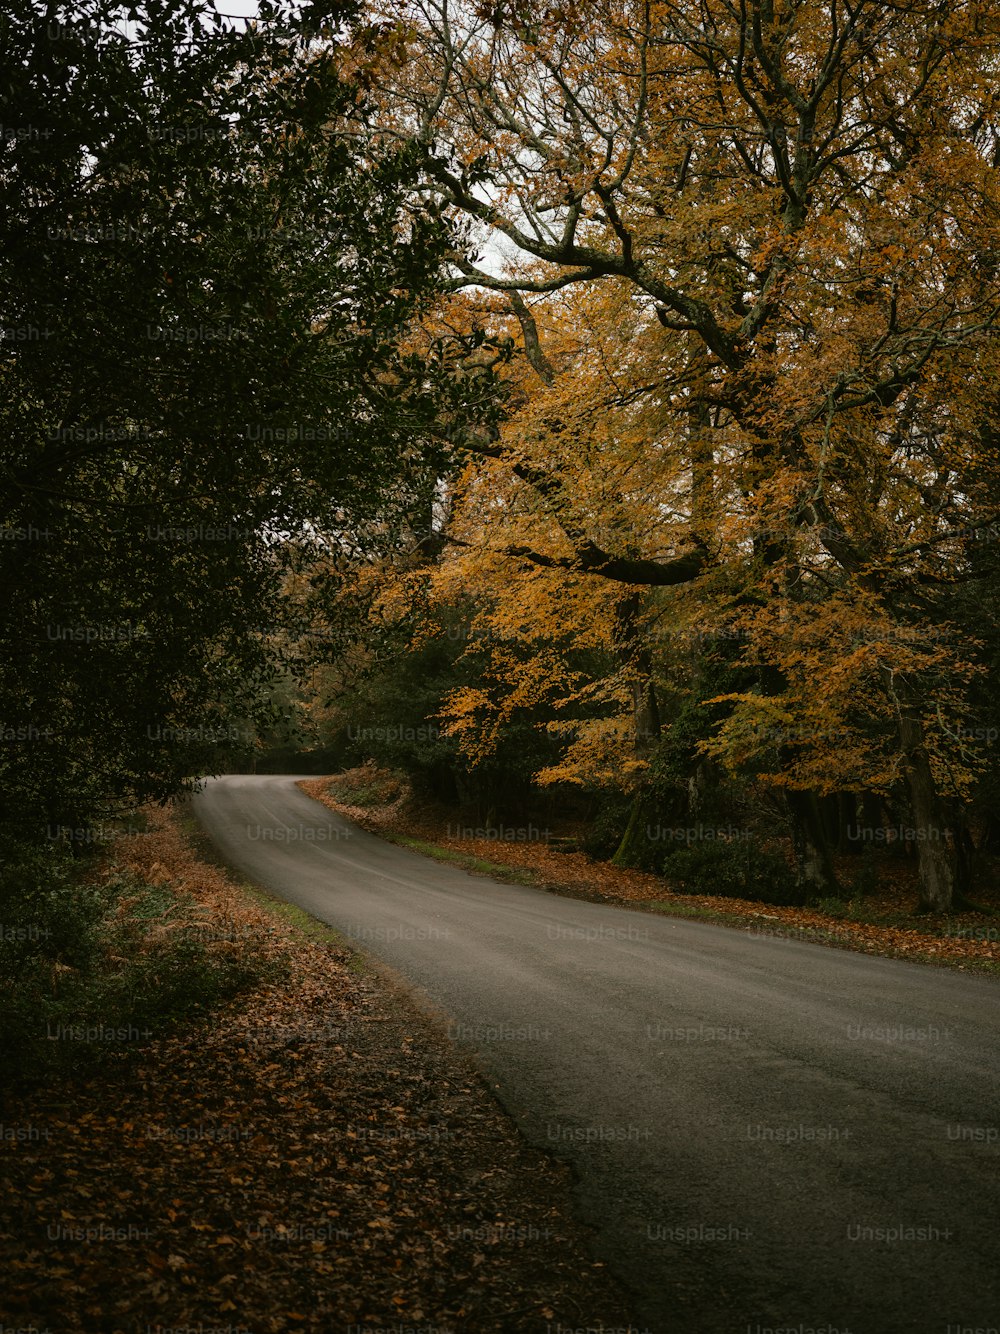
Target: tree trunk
[[634, 849], [849, 813], [967, 855], [645, 715], [700, 437], [935, 848], [989, 838], [634, 654], [814, 864], [702, 785]]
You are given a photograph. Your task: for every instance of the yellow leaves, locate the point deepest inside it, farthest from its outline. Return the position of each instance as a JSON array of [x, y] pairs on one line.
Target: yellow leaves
[[767, 365], [463, 711], [476, 716], [829, 722], [598, 754]]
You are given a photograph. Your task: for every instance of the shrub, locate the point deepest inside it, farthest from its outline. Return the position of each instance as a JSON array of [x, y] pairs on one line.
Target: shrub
[[832, 906], [738, 869], [87, 953], [607, 829], [368, 785]]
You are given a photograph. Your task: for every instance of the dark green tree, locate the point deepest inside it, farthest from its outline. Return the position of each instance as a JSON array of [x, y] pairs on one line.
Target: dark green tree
[[207, 274]]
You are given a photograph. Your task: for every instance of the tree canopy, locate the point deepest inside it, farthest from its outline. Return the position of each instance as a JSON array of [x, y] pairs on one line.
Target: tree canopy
[[749, 256], [656, 342], [208, 269]]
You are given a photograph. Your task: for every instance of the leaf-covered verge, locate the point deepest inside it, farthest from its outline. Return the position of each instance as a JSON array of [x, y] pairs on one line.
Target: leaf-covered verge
[[878, 921], [98, 956], [311, 1156]]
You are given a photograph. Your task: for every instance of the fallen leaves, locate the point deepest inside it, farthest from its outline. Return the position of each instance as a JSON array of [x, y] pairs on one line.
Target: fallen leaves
[[310, 1158]]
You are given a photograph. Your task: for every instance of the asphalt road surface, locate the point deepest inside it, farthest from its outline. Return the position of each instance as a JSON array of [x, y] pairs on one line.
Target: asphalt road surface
[[767, 1134]]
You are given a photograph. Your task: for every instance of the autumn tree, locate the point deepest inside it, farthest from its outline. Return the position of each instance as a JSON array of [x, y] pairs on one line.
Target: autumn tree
[[803, 200]]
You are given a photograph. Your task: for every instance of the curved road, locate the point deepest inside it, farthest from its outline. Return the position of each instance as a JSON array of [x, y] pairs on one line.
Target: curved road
[[766, 1134]]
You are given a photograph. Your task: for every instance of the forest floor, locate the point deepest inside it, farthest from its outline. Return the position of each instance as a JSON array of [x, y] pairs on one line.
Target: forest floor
[[312, 1158], [882, 921]]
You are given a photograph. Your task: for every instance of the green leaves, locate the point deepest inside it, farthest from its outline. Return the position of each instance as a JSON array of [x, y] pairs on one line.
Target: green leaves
[[204, 294]]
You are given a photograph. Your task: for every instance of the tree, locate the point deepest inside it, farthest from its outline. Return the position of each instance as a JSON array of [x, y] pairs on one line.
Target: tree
[[207, 271], [804, 200]]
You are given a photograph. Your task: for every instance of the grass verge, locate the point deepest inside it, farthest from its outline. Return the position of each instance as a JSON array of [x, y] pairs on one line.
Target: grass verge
[[480, 865], [98, 957]]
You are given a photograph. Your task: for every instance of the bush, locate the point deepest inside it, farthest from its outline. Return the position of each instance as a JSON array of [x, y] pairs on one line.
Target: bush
[[832, 906], [738, 869], [368, 786], [89, 954], [607, 829]]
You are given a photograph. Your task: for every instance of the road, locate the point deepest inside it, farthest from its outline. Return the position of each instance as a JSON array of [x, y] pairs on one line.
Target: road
[[765, 1133]]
